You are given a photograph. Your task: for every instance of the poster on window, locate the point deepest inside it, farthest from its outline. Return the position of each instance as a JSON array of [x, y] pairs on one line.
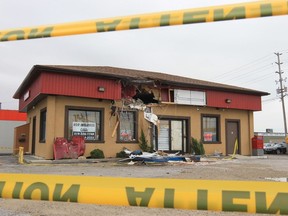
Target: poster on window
[[86, 129], [208, 137]]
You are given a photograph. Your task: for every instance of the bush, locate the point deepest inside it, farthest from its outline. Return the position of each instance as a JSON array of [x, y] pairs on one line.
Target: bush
[[97, 153], [197, 147], [143, 143], [121, 154]]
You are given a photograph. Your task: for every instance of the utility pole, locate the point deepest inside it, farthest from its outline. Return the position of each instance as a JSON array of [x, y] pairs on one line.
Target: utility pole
[[282, 90]]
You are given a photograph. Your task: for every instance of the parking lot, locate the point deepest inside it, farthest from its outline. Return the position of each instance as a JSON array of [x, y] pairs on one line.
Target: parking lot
[[244, 168]]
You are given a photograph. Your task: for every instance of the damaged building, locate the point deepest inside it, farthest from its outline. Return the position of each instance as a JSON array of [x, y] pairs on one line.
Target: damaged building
[[110, 107]]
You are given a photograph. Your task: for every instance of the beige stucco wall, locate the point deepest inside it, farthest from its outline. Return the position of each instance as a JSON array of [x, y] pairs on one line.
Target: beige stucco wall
[[110, 147], [245, 118], [35, 112], [56, 124]]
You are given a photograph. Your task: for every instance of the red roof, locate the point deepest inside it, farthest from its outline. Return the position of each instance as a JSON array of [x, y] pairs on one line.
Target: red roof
[[130, 75], [12, 115]]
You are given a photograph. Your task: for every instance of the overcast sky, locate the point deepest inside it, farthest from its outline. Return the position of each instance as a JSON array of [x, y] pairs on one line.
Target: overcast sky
[[239, 53]]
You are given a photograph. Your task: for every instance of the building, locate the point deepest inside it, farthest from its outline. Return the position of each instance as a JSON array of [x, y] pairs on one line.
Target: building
[[112, 106], [9, 120], [272, 137]]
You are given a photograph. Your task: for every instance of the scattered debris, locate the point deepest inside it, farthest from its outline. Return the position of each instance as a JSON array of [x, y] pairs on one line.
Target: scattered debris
[[137, 104], [282, 179], [131, 163], [151, 118], [154, 157], [138, 157], [63, 149], [217, 153]]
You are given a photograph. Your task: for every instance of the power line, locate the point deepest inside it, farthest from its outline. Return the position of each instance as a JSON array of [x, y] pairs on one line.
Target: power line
[[266, 76], [249, 73], [245, 66], [249, 66], [270, 100], [244, 75]]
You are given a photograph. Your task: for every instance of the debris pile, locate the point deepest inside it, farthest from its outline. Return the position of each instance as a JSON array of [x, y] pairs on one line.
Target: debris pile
[[154, 157], [139, 157], [63, 149]]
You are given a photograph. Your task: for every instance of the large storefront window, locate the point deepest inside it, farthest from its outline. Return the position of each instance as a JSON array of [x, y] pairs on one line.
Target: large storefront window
[[85, 122], [127, 127], [210, 128]]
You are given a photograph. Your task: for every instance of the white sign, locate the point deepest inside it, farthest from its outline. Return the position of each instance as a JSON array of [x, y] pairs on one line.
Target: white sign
[[151, 118], [86, 129]]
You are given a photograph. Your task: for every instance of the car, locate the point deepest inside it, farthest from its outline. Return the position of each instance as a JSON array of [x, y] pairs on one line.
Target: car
[[275, 148]]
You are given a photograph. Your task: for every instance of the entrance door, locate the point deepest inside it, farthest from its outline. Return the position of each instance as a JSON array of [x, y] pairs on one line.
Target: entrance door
[[176, 135], [232, 134], [171, 135], [163, 137], [33, 135]]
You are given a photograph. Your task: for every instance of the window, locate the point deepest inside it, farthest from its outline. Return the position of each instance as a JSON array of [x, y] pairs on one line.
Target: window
[[87, 122], [210, 128], [189, 97], [42, 134], [180, 96], [127, 127]]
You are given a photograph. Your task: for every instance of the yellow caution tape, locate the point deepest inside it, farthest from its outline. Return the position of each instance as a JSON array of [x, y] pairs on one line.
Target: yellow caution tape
[[235, 149], [240, 196], [5, 148], [8, 148], [188, 16]]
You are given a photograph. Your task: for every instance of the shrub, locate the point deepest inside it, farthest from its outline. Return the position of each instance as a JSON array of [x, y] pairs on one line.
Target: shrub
[[121, 154], [197, 147], [143, 143], [97, 153]]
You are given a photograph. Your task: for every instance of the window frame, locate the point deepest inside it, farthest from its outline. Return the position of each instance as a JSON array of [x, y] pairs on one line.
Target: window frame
[[218, 128], [135, 123], [186, 128], [91, 109], [42, 126]]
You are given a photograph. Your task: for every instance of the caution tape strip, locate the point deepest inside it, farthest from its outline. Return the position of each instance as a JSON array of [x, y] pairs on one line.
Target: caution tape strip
[[216, 195], [170, 18], [8, 148]]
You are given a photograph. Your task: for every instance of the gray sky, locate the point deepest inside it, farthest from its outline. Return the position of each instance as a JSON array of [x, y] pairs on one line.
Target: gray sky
[[239, 53]]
